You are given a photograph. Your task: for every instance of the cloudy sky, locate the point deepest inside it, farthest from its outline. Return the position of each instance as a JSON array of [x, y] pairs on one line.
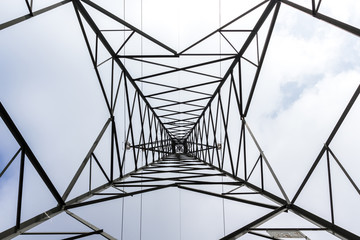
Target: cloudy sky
[[49, 87]]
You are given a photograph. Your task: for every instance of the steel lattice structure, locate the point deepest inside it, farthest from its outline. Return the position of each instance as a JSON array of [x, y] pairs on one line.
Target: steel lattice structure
[[191, 138]]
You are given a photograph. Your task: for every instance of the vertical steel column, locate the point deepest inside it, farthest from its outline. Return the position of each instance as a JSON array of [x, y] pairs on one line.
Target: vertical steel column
[[20, 189]]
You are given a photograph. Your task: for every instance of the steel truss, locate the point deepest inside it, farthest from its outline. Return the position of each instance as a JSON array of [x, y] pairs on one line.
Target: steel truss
[[156, 125]]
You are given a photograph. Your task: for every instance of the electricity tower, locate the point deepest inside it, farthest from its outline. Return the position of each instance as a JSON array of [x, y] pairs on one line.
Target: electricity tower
[[177, 120]]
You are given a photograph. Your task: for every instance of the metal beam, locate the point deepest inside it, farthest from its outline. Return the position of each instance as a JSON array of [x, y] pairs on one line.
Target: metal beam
[[9, 163], [229, 198], [79, 7], [328, 141], [30, 155], [86, 159], [250, 38], [119, 20], [89, 225], [240, 232], [332, 21], [322, 223], [38, 219], [36, 13]]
